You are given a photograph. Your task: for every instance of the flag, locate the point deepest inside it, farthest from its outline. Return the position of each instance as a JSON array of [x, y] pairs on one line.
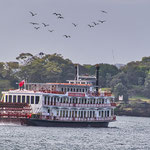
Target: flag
[[21, 83]]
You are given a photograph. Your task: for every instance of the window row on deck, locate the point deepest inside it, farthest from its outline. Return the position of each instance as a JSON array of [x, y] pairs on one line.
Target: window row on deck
[[22, 99], [83, 113], [74, 89], [38, 87], [53, 100]]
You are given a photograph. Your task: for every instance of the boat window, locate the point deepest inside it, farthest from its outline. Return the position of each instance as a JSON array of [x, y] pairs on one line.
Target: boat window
[[81, 114], [54, 100], [57, 112], [48, 100], [77, 90], [67, 113], [6, 98], [60, 113], [102, 114], [63, 113], [102, 101], [83, 90], [10, 98], [84, 114], [90, 114], [108, 113], [85, 100], [62, 89], [51, 100], [71, 89], [93, 113], [72, 114], [82, 100], [28, 99], [23, 99], [19, 98], [76, 114], [32, 99], [45, 100], [94, 101], [37, 98], [91, 101], [14, 99], [77, 100]]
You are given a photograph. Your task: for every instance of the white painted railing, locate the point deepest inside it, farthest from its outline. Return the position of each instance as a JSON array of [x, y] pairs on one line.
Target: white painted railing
[[81, 105]]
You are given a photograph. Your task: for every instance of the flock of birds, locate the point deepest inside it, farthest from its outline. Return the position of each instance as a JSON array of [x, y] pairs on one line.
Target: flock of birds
[[59, 16]]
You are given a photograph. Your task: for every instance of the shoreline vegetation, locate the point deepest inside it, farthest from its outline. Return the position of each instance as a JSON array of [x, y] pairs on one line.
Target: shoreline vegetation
[[130, 81], [134, 107]]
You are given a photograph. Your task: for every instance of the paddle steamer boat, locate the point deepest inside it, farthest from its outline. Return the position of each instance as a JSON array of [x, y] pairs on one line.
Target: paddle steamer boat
[[78, 103]]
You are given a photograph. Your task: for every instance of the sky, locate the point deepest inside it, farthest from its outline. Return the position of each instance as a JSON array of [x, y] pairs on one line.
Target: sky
[[124, 37]]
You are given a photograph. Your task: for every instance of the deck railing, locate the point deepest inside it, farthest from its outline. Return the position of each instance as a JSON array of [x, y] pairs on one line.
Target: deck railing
[[81, 105]]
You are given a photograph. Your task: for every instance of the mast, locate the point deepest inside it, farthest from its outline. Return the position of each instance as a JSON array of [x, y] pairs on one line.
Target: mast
[[97, 78]]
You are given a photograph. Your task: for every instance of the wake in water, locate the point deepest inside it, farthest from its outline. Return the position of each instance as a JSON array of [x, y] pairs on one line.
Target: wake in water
[[10, 123]]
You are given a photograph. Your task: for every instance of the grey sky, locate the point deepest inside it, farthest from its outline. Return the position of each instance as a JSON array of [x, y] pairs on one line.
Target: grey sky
[[126, 31]]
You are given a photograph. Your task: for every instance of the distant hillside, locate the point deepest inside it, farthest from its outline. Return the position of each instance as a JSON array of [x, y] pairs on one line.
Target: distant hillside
[[132, 79]]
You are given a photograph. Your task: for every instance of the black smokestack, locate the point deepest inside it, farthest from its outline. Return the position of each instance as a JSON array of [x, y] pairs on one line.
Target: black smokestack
[[97, 77], [76, 71]]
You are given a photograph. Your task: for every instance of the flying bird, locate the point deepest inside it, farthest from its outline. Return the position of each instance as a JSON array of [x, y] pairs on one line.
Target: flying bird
[[33, 14], [103, 11], [60, 17], [102, 21], [45, 25], [56, 14], [36, 28], [34, 23], [74, 24], [95, 23], [50, 30], [91, 26], [67, 36]]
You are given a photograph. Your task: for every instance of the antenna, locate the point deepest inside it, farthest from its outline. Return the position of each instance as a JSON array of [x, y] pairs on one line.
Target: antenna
[[77, 72], [113, 57]]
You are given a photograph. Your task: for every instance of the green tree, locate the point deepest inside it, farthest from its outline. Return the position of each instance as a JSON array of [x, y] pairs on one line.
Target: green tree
[[49, 68]]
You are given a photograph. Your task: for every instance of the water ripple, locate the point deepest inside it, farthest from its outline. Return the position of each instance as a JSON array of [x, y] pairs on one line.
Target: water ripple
[[127, 133]]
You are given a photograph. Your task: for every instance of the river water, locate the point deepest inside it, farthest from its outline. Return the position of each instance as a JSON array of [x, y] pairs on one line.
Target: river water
[[127, 133]]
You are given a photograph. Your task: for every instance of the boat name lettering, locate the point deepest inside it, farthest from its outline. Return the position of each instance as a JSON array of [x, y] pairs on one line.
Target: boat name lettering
[[76, 94]]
